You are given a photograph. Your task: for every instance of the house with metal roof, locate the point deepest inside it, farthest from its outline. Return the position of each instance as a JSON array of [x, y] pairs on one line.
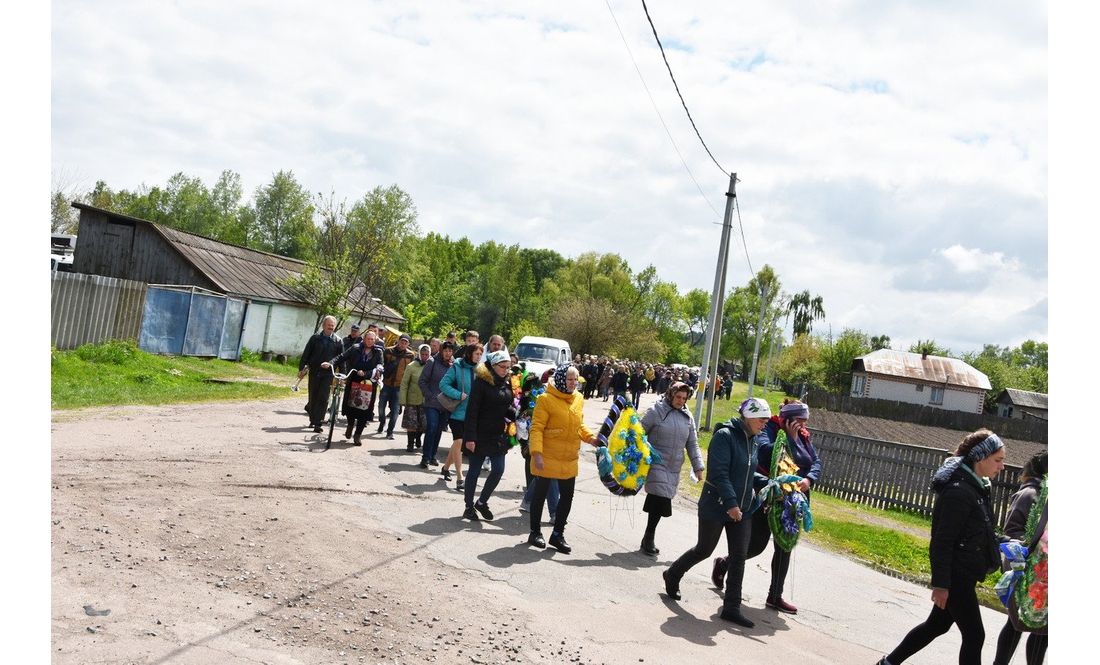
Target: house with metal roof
[[275, 318], [1024, 404], [914, 378]]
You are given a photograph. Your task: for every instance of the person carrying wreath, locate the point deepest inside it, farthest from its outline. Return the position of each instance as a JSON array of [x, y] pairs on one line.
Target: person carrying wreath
[[727, 503], [786, 449], [670, 429], [964, 548]]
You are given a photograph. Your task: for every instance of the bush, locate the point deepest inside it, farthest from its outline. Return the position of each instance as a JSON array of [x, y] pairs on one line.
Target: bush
[[114, 352]]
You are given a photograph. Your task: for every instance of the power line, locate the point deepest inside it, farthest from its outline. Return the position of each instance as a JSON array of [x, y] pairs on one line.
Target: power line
[[675, 85], [654, 103]]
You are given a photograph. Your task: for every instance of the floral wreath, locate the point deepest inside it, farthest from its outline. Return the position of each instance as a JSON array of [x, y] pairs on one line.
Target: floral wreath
[[623, 453]]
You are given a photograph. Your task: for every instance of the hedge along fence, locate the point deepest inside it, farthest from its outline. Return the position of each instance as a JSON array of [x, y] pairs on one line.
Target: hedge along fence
[[883, 474]]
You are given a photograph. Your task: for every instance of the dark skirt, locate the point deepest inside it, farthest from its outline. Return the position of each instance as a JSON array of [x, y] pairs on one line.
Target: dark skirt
[[413, 418], [658, 504]]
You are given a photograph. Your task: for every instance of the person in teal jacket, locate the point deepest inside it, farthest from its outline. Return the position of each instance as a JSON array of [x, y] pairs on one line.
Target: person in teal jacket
[[728, 501], [457, 384]]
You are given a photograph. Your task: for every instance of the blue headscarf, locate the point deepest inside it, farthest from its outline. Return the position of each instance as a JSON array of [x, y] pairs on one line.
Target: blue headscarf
[[559, 377]]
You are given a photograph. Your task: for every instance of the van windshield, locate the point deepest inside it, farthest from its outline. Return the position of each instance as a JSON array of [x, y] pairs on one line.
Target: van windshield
[[537, 352]]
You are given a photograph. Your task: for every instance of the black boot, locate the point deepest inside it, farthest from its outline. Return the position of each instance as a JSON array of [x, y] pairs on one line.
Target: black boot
[[648, 546]]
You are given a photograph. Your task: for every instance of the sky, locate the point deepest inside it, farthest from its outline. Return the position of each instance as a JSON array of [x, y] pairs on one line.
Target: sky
[[892, 157]]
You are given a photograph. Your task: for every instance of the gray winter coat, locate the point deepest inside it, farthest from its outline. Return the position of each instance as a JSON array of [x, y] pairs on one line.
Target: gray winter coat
[[671, 432]]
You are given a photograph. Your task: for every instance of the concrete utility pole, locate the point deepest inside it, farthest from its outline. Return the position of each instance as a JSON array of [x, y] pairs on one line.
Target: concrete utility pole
[[716, 302], [759, 329]]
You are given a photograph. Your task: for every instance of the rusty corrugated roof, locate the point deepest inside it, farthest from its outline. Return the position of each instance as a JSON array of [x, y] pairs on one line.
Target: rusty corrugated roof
[[930, 369]]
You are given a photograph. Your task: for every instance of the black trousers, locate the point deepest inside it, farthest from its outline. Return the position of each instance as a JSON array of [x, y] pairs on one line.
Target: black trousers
[[320, 385], [738, 535], [962, 609], [565, 503]]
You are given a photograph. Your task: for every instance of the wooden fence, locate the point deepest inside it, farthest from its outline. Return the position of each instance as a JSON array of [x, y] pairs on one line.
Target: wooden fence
[[919, 414], [883, 474]]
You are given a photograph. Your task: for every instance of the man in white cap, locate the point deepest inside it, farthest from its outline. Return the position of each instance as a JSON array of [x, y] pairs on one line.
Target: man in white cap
[[726, 504]]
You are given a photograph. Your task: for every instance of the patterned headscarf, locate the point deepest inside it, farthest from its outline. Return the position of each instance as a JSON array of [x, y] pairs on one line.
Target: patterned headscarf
[[559, 377], [754, 407]]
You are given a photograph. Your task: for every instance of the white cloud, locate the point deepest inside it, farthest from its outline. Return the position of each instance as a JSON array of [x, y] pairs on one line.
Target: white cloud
[[867, 135]]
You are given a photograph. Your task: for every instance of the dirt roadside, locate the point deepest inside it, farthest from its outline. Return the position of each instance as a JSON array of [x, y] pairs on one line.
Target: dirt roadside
[[224, 533]]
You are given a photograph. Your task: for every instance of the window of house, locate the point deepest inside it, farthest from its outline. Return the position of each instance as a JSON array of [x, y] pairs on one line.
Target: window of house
[[859, 382], [920, 388], [937, 396]]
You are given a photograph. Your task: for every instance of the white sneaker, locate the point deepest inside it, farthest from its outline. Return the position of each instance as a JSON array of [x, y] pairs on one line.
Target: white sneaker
[[486, 466], [524, 506]]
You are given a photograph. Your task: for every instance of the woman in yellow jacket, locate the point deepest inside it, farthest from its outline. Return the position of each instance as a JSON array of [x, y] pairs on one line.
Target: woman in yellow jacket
[[557, 428]]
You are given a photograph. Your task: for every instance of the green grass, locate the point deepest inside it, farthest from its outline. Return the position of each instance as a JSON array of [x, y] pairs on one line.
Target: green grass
[[118, 372]]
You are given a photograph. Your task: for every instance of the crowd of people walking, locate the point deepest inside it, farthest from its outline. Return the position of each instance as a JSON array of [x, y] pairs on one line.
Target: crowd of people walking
[[755, 460]]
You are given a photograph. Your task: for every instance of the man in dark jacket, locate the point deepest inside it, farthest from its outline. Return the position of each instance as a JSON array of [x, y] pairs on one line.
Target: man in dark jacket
[[395, 359], [320, 348]]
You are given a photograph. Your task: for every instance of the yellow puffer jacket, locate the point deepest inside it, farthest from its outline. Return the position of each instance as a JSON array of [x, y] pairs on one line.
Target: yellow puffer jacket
[[557, 429]]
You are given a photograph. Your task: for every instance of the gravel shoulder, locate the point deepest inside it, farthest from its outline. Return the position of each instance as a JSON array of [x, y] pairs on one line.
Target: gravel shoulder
[[225, 533]]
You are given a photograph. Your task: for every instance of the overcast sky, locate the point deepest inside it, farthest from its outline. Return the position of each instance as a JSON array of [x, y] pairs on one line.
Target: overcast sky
[[892, 156]]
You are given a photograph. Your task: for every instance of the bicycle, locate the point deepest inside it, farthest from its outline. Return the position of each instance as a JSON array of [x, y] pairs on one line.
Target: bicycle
[[334, 405]]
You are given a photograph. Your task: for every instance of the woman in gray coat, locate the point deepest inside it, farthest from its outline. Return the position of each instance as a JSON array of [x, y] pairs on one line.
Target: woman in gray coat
[[670, 429]]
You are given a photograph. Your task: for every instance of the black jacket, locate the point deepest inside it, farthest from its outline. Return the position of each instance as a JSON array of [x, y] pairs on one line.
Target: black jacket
[[489, 412], [964, 545], [319, 349]]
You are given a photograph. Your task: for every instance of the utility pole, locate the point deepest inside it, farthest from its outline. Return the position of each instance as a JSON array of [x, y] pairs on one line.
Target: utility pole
[[759, 330], [717, 299]]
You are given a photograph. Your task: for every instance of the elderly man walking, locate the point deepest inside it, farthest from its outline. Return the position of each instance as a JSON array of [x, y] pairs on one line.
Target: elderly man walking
[[321, 347]]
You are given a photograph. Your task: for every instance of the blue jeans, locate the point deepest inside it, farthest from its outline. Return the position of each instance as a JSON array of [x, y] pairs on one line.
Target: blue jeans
[[495, 472], [388, 398], [552, 496], [435, 418]]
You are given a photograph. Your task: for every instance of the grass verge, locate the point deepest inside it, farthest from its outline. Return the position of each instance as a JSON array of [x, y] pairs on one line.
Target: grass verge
[[117, 372]]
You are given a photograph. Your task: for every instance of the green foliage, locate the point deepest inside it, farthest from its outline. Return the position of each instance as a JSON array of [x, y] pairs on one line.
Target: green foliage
[[836, 358], [741, 318], [879, 342], [801, 362], [280, 218], [805, 309], [1022, 368], [930, 347], [116, 373]]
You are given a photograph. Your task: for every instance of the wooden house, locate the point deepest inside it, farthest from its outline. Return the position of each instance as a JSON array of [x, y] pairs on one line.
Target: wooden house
[[275, 319], [1023, 404]]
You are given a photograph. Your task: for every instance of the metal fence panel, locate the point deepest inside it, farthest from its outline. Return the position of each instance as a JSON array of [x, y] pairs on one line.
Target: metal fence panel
[[204, 325], [90, 309], [233, 330], [166, 314]]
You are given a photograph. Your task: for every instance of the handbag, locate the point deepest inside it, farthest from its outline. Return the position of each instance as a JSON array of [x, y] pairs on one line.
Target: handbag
[[360, 395], [450, 403]]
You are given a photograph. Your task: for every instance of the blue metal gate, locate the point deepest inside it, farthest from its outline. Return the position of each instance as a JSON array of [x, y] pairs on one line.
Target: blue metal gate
[[189, 321]]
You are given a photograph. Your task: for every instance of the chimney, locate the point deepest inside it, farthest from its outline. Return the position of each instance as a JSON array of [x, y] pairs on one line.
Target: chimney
[[924, 355]]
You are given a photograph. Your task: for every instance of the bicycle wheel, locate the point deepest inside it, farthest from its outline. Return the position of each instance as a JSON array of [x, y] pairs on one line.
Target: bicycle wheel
[[332, 410]]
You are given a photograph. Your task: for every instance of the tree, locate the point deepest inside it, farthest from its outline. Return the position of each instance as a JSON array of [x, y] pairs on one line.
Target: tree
[[929, 347], [800, 362], [806, 309], [880, 342], [837, 356], [377, 225], [1023, 368], [280, 218], [741, 318], [696, 313], [63, 217]]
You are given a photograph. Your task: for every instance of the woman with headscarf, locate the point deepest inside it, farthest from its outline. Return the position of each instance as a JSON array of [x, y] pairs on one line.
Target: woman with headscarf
[[557, 428], [794, 449], [411, 399], [727, 503], [492, 408], [1031, 483], [964, 548], [360, 360], [670, 429]]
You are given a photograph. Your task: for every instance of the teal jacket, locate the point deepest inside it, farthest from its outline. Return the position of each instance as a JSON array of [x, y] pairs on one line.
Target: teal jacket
[[732, 479], [458, 379]]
